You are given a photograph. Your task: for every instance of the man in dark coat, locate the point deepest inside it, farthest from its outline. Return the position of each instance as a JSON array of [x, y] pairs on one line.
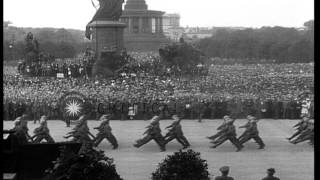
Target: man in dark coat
[[224, 174], [175, 132], [153, 132], [270, 176], [105, 132]]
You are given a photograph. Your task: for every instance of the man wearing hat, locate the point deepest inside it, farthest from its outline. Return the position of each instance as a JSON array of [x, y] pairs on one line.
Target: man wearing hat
[[224, 174], [229, 134], [105, 132], [252, 133], [42, 132], [175, 132], [270, 173], [153, 132]]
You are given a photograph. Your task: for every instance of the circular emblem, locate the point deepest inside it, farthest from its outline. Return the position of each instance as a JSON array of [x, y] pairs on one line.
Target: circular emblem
[[72, 104]]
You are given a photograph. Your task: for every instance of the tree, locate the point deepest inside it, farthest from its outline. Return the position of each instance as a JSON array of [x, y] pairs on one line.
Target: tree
[[182, 166]]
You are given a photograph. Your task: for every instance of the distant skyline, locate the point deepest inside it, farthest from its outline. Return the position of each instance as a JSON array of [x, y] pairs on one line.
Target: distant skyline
[[75, 14]]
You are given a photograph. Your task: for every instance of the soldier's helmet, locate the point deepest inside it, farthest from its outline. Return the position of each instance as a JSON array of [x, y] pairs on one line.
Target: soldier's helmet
[[43, 118], [155, 119], [226, 117], [175, 117], [105, 117]]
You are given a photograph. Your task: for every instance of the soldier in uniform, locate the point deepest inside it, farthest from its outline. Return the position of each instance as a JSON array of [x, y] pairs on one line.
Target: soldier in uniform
[[301, 126], [175, 132], [105, 132], [229, 133], [153, 132], [42, 132], [252, 132], [224, 174], [306, 134], [22, 132], [270, 176], [80, 132], [220, 132]]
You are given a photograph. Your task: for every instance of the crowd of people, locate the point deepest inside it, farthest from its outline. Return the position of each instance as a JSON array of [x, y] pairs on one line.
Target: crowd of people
[[271, 90]]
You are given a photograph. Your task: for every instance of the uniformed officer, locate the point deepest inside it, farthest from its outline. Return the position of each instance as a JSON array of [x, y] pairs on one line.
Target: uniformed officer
[[153, 132], [301, 126], [42, 132], [252, 132], [175, 132], [224, 174], [229, 133], [105, 132], [270, 173], [220, 132]]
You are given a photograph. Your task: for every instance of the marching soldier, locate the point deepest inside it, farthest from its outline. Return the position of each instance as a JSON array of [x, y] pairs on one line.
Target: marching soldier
[[228, 133], [80, 132], [306, 134], [175, 132], [153, 132], [42, 132], [220, 132], [301, 126], [105, 132], [251, 132], [22, 132]]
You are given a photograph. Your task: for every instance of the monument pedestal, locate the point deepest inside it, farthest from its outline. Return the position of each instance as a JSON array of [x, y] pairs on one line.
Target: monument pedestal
[[107, 40], [107, 36]]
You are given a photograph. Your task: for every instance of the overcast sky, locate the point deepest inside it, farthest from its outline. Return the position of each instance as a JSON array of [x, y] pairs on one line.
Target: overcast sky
[[76, 14]]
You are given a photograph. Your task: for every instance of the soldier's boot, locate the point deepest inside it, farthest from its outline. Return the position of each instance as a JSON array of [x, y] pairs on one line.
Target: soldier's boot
[[294, 135], [169, 139], [217, 143], [236, 143], [161, 143], [113, 141], [97, 141], [214, 136], [49, 139], [185, 142], [259, 142]]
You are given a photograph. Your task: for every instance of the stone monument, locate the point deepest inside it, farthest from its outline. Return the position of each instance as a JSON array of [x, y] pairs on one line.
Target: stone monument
[[144, 30], [105, 31]]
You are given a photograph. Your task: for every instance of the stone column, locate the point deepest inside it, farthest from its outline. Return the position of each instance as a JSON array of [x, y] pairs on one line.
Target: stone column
[[140, 25], [130, 25], [157, 25], [161, 25], [150, 25]]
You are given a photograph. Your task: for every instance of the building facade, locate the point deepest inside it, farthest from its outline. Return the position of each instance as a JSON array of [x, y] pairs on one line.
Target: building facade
[[144, 31]]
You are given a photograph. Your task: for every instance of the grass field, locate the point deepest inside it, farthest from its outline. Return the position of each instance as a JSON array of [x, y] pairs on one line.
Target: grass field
[[292, 162]]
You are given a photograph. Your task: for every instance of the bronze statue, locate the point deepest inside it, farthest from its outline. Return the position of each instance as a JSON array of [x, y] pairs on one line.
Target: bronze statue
[[109, 10]]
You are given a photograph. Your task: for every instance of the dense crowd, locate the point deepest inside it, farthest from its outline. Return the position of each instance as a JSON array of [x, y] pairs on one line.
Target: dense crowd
[[270, 90]]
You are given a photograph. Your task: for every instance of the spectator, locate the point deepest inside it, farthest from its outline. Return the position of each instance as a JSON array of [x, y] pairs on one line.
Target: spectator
[[270, 173], [224, 174]]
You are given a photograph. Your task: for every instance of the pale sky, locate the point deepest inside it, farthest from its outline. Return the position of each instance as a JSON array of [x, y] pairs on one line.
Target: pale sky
[[75, 14]]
